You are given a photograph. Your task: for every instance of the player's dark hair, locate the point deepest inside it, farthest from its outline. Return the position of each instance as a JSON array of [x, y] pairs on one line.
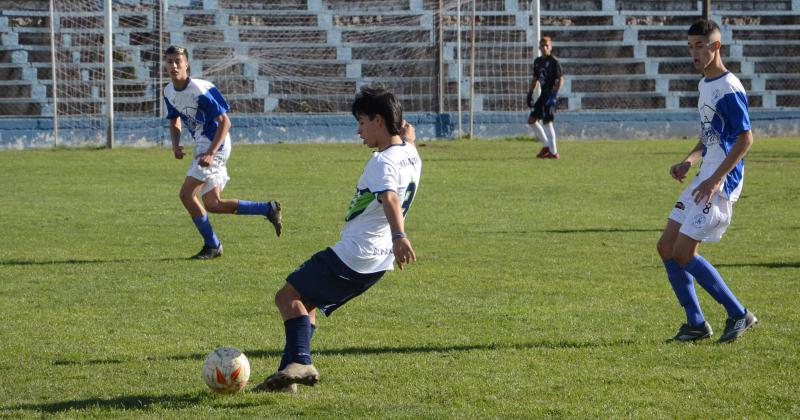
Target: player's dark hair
[[375, 101], [178, 50], [703, 27]]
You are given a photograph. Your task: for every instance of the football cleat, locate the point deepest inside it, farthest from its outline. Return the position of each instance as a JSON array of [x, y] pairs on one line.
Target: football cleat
[[543, 152], [735, 327], [693, 333], [549, 155], [294, 373], [208, 253], [274, 216], [263, 387]]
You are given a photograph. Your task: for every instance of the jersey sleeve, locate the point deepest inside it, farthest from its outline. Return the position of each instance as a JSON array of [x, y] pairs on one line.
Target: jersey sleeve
[[733, 107], [559, 72], [212, 103], [383, 177], [172, 113]]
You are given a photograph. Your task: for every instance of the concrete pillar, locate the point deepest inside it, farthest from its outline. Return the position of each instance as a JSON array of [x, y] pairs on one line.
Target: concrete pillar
[[344, 53], [609, 6], [270, 104], [335, 37], [511, 5], [416, 5], [325, 20], [261, 87], [315, 5], [353, 70], [210, 5], [19, 56]]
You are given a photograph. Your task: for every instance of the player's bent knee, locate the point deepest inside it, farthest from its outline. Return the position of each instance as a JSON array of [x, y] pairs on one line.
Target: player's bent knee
[[664, 250]]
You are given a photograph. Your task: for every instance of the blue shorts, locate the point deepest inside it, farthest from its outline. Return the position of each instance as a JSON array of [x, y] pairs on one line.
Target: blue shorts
[[327, 283]]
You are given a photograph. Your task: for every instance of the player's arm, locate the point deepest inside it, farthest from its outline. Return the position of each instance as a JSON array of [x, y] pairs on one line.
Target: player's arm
[[401, 246], [222, 130], [175, 135], [679, 170], [711, 185], [531, 87]]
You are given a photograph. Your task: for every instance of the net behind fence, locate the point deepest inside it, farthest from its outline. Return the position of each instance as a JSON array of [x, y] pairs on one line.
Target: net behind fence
[[306, 58]]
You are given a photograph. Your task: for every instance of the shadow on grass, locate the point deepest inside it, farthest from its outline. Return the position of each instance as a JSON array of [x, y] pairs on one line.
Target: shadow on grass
[[795, 264], [548, 345], [584, 230], [74, 261], [129, 402]]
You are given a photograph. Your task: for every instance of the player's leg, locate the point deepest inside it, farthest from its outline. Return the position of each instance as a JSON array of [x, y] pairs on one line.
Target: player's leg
[[271, 210], [212, 247], [696, 327], [538, 130], [549, 113], [708, 223]]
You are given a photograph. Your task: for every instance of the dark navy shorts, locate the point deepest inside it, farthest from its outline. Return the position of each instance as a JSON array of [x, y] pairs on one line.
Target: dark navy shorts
[[327, 283], [543, 112]]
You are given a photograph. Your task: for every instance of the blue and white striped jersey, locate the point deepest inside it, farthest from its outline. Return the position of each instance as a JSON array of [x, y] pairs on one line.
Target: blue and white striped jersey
[[198, 105], [723, 116]]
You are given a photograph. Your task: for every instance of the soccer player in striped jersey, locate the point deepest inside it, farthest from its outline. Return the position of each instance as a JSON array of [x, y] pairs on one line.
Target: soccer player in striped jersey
[[373, 237], [704, 209], [547, 73], [199, 106]]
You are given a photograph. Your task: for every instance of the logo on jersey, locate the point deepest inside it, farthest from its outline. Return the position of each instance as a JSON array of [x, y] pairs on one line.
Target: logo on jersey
[[359, 203], [710, 135], [699, 220], [680, 205]]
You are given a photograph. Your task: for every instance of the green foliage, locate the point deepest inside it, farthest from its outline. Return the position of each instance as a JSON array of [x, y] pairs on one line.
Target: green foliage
[[538, 291]]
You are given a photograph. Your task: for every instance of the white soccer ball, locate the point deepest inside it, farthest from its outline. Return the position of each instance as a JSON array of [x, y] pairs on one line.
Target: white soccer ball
[[226, 370]]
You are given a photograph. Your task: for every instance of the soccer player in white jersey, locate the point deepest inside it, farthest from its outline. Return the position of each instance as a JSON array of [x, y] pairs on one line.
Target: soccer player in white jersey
[[548, 74], [199, 106], [373, 237], [704, 209]]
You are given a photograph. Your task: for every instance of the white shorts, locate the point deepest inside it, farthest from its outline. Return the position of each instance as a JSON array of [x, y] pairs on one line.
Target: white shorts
[[213, 175], [702, 222]]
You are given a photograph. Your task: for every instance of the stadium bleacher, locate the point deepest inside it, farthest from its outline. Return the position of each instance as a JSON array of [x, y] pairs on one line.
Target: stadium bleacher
[[302, 56]]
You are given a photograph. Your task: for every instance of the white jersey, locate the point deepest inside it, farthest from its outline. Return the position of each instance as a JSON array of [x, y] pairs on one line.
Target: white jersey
[[365, 244], [723, 116], [198, 105]]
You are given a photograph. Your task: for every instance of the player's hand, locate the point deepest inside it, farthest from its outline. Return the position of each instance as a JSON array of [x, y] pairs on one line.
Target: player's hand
[[403, 252], [678, 171], [178, 152], [552, 100], [529, 99], [205, 159], [705, 191], [408, 133]]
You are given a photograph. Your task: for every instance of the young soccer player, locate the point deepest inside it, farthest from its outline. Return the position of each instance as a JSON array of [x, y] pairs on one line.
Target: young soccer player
[[704, 209], [199, 106], [547, 73], [372, 239]]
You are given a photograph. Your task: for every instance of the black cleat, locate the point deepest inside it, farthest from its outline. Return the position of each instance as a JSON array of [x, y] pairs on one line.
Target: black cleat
[[735, 327], [208, 253], [693, 333], [274, 216]]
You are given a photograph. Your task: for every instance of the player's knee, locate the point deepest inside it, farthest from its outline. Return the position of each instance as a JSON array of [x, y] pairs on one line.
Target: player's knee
[[664, 249], [682, 259], [212, 205], [185, 196]]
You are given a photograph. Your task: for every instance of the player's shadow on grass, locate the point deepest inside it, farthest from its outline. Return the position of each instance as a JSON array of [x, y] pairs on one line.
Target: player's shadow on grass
[[78, 262], [128, 403], [795, 264], [548, 345]]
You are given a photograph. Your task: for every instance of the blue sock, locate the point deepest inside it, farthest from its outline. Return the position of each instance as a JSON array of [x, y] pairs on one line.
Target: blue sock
[[682, 284], [204, 226], [285, 355], [708, 277], [253, 207], [298, 346]]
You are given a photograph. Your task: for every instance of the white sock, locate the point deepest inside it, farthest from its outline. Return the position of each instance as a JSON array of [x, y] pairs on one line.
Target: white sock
[[551, 134], [538, 131]]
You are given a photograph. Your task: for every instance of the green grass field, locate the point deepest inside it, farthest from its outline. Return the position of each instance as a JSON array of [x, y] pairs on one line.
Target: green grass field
[[538, 291]]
